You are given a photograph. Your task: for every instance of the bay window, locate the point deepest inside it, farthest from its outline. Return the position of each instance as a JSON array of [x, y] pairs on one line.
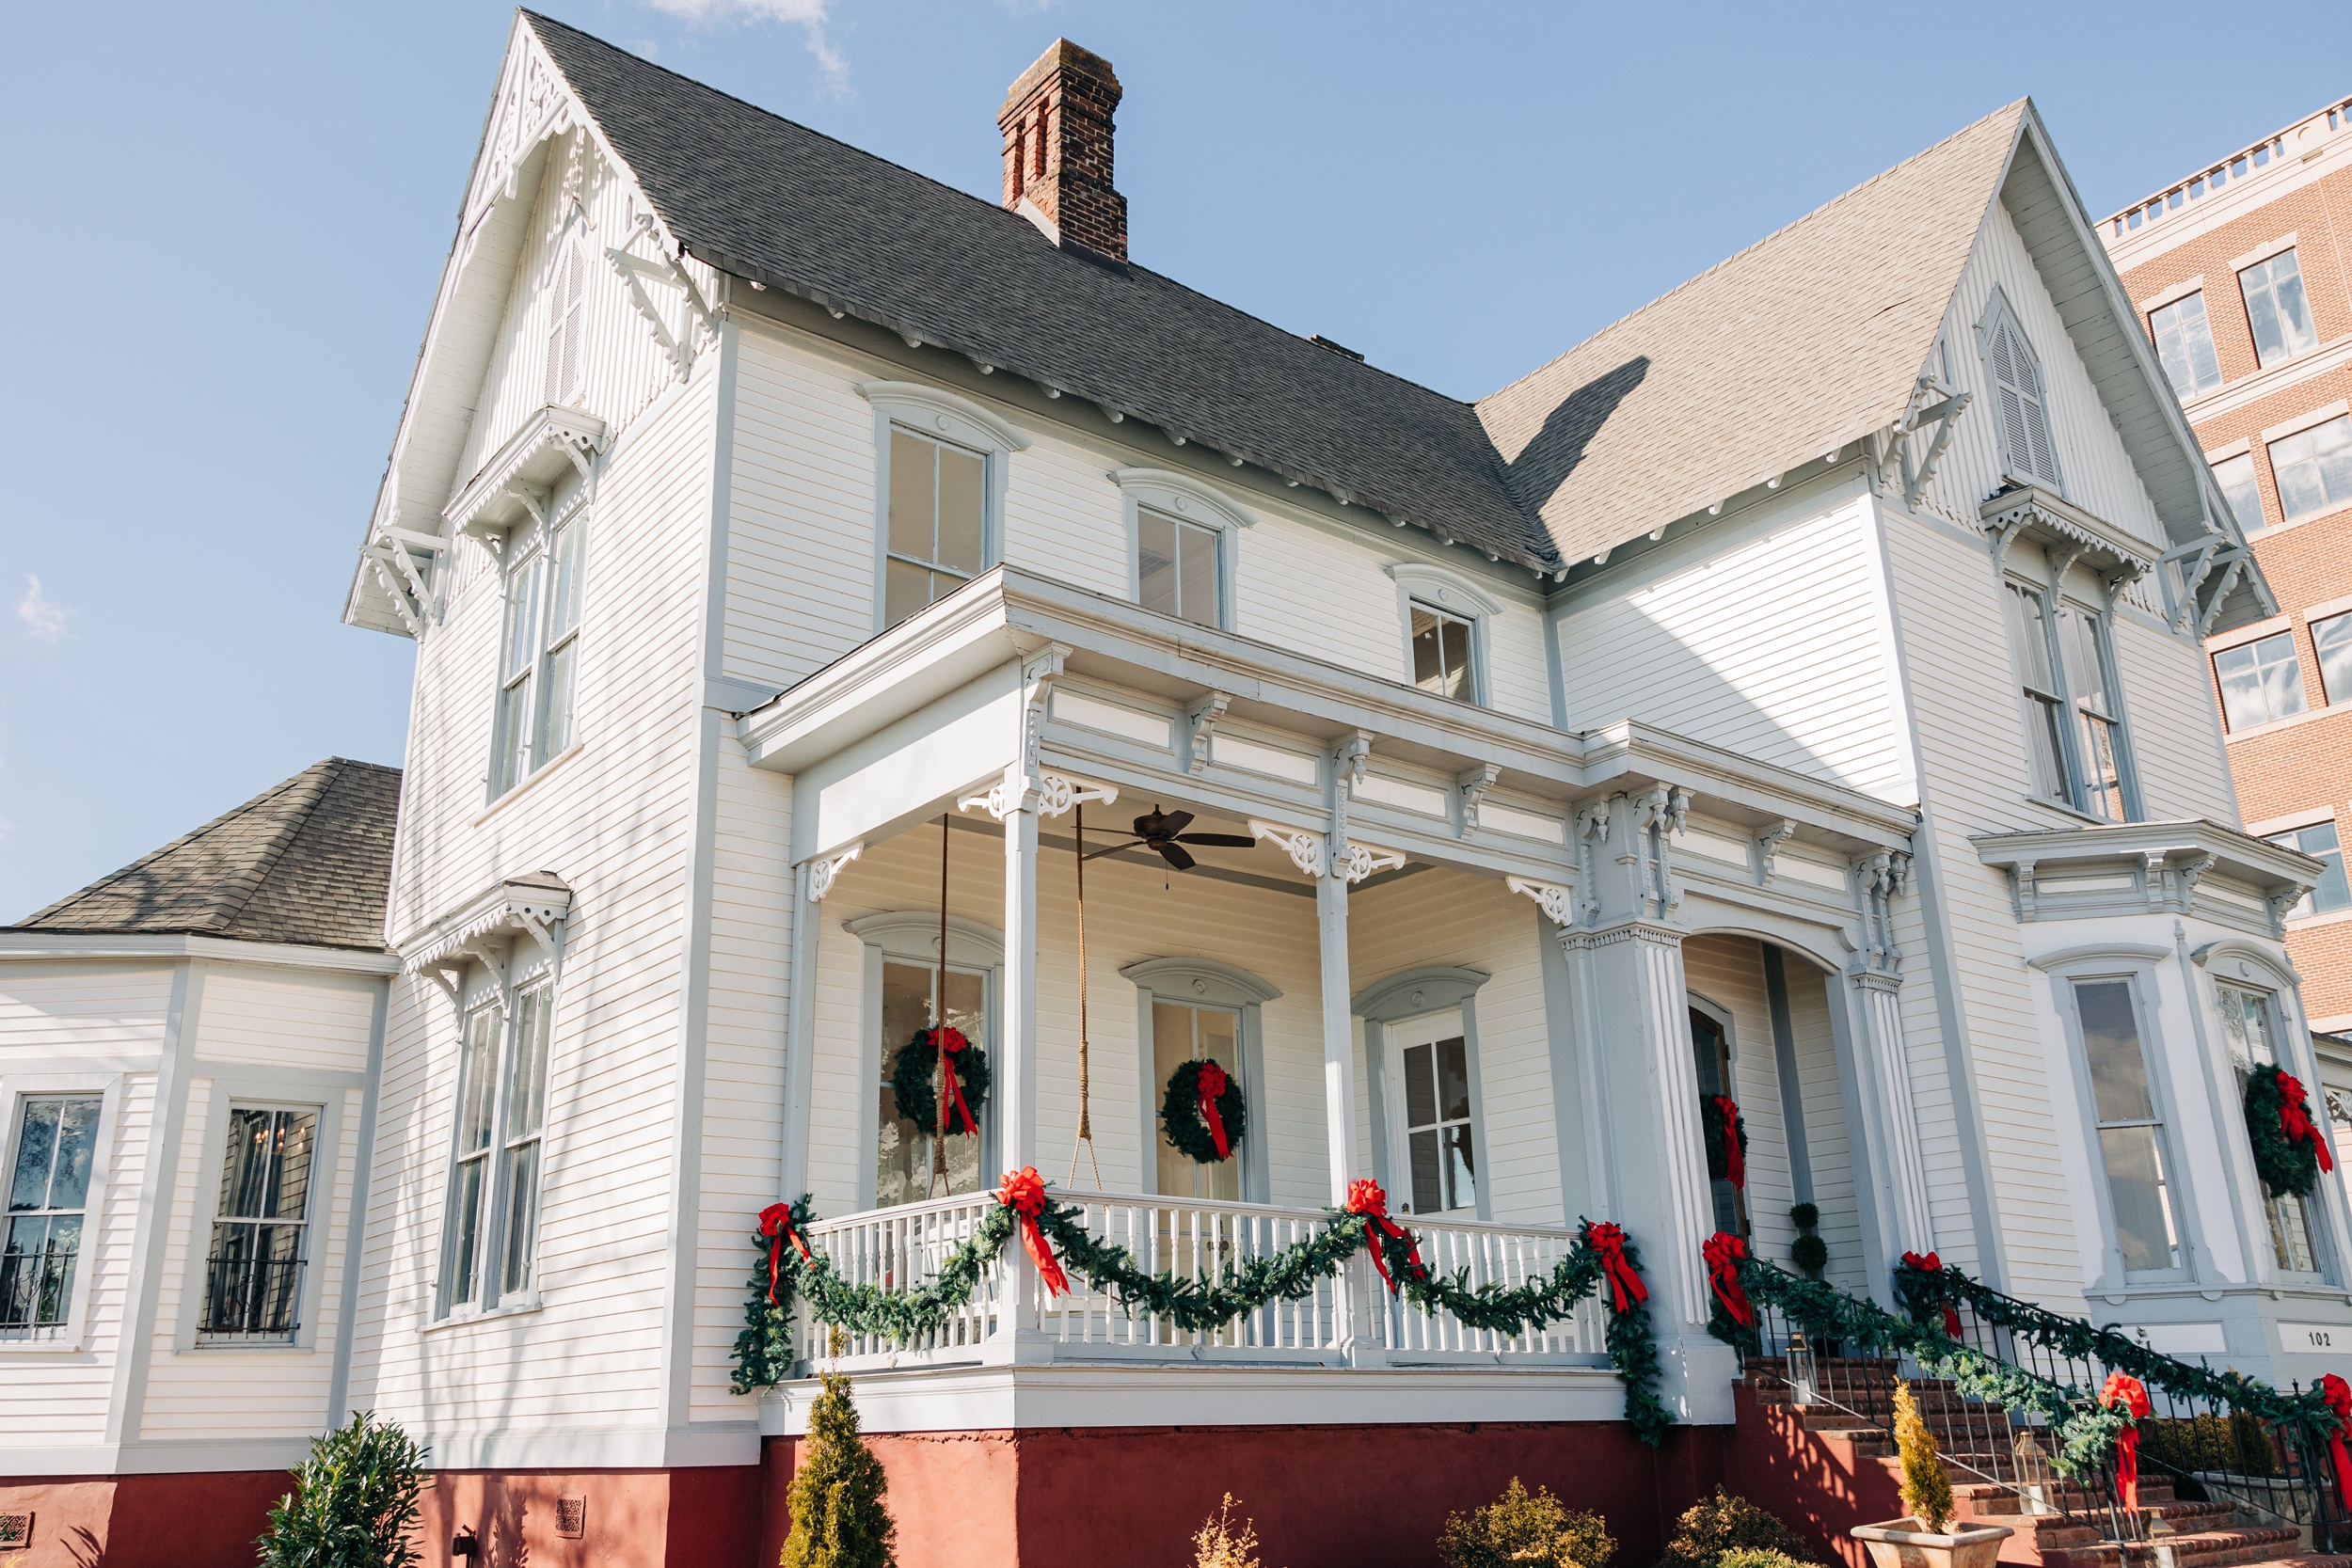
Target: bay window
[[2248, 1030]]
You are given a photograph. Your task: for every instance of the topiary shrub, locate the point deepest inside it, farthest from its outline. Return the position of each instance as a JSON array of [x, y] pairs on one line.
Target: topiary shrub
[[1714, 1527], [1756, 1557], [355, 1502], [1218, 1543], [1927, 1490], [838, 1519], [1534, 1529]]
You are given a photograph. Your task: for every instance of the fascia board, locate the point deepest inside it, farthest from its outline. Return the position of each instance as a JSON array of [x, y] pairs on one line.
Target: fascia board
[[2237, 854], [53, 945]]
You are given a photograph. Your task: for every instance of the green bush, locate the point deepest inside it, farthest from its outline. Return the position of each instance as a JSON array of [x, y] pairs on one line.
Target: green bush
[[838, 1519], [1536, 1530], [1756, 1557], [355, 1502], [2237, 1445], [1713, 1528], [1927, 1486]]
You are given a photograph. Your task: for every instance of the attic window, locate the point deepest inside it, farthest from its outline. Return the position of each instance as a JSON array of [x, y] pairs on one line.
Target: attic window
[[2028, 450], [567, 288]]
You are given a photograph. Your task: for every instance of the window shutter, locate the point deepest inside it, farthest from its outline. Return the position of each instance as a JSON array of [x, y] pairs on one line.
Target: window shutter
[[566, 317], [2026, 441]]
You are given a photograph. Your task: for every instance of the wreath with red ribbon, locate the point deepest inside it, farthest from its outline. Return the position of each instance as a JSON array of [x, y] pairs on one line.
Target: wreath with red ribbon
[[1726, 1140], [963, 1075], [2290, 1150], [1203, 1111]]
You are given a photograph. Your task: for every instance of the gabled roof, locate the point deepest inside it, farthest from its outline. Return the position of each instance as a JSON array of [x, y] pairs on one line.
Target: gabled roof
[[307, 862], [757, 196]]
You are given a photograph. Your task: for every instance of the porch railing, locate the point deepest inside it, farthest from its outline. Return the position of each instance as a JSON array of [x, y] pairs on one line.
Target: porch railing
[[901, 1248]]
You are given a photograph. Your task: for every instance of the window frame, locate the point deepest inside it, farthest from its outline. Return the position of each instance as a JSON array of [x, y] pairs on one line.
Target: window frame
[[71, 1335], [1448, 593], [2328, 695], [2259, 974], [2245, 301], [2308, 907], [912, 937], [1189, 500], [1387, 1006], [1720, 1018], [2001, 316], [2329, 504], [2062, 707], [2204, 319], [937, 415], [2221, 700], [1203, 982], [567, 291], [501, 996], [534, 555]]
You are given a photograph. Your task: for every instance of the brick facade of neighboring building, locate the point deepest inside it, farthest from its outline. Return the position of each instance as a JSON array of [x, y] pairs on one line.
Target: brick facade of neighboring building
[[2293, 771]]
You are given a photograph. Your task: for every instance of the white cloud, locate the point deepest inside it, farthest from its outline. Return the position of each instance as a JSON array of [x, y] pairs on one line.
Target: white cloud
[[810, 16], [44, 618]]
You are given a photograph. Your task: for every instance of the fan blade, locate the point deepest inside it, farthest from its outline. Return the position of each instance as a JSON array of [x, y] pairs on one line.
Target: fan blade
[[1216, 841], [1174, 854], [1173, 823], [1112, 849]]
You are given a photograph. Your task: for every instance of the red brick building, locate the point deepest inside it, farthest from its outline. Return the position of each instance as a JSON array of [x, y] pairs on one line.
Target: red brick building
[[2242, 272]]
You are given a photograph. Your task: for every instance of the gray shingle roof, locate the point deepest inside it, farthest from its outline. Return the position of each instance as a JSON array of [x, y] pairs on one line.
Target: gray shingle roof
[[308, 861], [764, 198]]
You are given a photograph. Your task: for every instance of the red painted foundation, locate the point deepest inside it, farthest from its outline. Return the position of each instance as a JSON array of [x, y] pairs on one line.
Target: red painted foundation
[[703, 1518], [1819, 1484], [175, 1521]]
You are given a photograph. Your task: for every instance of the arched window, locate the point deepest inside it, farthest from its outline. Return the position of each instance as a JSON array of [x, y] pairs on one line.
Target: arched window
[[2028, 450]]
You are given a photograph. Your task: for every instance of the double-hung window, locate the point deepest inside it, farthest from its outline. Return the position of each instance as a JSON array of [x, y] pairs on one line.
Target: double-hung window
[[490, 1239], [1176, 566], [2312, 467], [2276, 310], [2246, 1027], [1445, 652], [2046, 736], [912, 1160], [938, 532], [57, 1137], [2240, 489], [253, 1275], [2098, 729], [2260, 681], [2074, 726], [2184, 344], [2028, 449], [1440, 1146], [2319, 841], [541, 653], [2131, 1133]]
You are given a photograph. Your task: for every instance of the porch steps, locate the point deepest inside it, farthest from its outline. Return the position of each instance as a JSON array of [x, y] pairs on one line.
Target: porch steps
[[2202, 1534]]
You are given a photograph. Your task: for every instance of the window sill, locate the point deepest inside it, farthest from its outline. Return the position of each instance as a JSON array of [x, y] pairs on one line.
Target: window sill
[[519, 1309], [2273, 726], [69, 1344], [2063, 809], [530, 783], [296, 1348]]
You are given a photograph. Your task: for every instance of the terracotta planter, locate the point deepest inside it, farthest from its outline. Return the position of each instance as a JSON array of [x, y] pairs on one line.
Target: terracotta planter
[[1905, 1543]]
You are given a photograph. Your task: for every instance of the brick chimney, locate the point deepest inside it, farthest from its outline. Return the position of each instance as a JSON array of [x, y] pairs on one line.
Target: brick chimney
[[1056, 122]]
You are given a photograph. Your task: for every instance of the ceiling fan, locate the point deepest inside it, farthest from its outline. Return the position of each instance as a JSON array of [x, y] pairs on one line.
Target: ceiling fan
[[1164, 831]]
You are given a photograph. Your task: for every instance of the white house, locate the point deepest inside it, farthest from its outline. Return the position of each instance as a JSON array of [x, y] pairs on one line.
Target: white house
[[1791, 693]]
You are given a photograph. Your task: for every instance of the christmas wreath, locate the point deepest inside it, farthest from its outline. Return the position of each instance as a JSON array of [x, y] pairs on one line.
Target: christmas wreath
[[964, 1076], [1726, 1140], [1203, 1111], [2289, 1150]]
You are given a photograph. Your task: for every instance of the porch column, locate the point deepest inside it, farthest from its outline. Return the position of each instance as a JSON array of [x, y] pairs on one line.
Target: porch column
[[1339, 1034], [1897, 1218], [810, 880]]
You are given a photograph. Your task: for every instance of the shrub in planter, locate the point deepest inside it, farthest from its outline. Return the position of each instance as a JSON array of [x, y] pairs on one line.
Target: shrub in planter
[[1217, 1543], [355, 1502], [838, 1519], [1927, 1490], [1534, 1528], [1715, 1526]]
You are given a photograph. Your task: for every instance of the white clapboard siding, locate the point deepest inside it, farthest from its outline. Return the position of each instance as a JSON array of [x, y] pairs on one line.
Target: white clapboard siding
[[285, 1018], [1065, 517], [94, 1010], [2098, 473], [2172, 724], [1769, 647]]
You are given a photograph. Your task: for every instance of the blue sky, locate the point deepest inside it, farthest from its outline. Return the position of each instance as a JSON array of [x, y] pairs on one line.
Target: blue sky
[[227, 222]]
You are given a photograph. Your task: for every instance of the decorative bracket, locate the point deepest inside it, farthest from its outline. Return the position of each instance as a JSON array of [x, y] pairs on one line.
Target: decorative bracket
[[1767, 851], [1058, 793], [1470, 788], [1348, 756], [636, 271], [1201, 722], [1308, 851], [824, 872], [1932, 403], [1305, 848], [1555, 900]]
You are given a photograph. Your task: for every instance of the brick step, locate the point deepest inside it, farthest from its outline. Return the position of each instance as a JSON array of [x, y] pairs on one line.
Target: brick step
[[2222, 1548]]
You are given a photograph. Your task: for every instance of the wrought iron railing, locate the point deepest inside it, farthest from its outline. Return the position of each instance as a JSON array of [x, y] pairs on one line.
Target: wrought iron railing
[[251, 1299]]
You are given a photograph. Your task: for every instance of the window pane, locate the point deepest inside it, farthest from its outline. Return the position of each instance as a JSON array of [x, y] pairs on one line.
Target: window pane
[[961, 509], [2260, 681], [2049, 771], [2103, 789], [2119, 1069], [2144, 1218], [513, 737], [2332, 892], [2086, 660], [522, 614], [903, 1152], [1428, 659], [2313, 468], [37, 1269], [906, 590], [523, 1217], [2185, 343], [1155, 562], [2276, 308], [1461, 1168], [481, 1084], [2240, 488], [1196, 596], [1453, 1078], [527, 1091], [2245, 1025], [266, 1173], [1428, 1165], [36, 1153], [1459, 683], [1420, 1086], [2291, 1233], [912, 462], [563, 605], [465, 1244], [555, 704], [2029, 621]]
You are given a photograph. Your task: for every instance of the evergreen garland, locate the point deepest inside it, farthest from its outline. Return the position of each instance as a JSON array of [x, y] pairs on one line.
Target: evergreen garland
[[1187, 1129], [2286, 1166], [918, 1099], [1711, 1123]]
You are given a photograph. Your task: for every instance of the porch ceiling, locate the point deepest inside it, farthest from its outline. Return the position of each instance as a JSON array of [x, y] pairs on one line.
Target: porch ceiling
[[953, 671]]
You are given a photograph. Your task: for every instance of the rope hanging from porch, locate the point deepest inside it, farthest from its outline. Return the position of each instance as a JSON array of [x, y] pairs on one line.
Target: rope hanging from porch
[[940, 1078], [1086, 1120]]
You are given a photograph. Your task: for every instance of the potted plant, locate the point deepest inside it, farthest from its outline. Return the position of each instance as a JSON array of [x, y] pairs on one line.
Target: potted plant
[[1925, 1537]]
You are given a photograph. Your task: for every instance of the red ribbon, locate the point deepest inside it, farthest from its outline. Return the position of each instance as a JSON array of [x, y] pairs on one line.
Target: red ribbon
[[1735, 1162], [1365, 1197], [1023, 1191], [2294, 1118], [1724, 1252], [2338, 1394], [775, 1223], [949, 1041], [1927, 1262], [1625, 1286], [2128, 1391], [1211, 1081]]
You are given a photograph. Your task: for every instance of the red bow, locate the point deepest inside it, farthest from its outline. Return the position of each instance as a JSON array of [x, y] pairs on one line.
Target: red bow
[[775, 1223], [1927, 1262], [1724, 1252], [2338, 1394], [1211, 1081], [949, 1041], [2294, 1118], [2128, 1391], [1735, 1162], [1365, 1197], [1608, 1241], [1023, 1191]]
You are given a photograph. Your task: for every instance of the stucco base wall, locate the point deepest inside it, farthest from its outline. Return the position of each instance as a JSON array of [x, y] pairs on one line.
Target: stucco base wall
[[166, 1521]]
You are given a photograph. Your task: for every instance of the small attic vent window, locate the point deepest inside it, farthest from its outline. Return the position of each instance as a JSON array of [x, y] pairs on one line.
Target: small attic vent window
[[1321, 341]]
